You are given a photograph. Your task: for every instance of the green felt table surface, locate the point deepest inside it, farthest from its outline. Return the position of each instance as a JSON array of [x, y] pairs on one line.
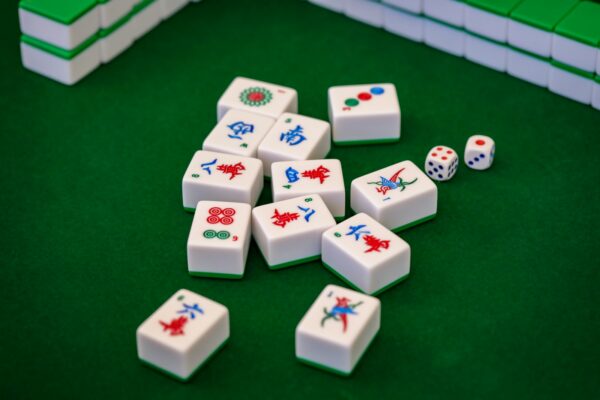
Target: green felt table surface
[[502, 300]]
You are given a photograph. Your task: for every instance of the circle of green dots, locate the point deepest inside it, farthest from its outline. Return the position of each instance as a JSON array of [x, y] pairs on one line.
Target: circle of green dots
[[195, 176], [209, 234], [337, 234], [252, 103], [351, 102], [223, 235]]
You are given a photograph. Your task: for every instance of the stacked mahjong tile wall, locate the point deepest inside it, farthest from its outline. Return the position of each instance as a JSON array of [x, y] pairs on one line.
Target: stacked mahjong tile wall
[[550, 43], [65, 40]]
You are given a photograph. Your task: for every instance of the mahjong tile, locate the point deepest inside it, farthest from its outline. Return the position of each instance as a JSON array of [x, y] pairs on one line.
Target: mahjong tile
[[294, 137], [337, 329], [259, 97], [219, 239], [221, 177], [238, 132], [289, 232], [300, 178], [364, 113], [182, 334], [365, 254], [398, 196]]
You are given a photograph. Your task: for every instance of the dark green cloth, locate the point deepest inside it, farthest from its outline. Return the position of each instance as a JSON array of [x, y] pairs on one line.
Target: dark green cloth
[[503, 299]]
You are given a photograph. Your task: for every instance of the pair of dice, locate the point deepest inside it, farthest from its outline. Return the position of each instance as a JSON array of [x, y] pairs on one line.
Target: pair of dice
[[442, 162], [183, 333]]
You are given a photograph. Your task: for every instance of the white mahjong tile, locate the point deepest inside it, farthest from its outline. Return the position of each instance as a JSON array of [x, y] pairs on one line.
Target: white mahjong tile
[[179, 336], [365, 254], [294, 137], [364, 113], [221, 177], [337, 329], [289, 232], [238, 132], [300, 178], [397, 196], [259, 97], [219, 239]]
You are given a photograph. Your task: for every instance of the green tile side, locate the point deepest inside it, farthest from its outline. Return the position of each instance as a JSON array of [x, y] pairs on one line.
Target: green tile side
[[573, 70], [62, 11], [582, 24], [361, 142], [58, 51], [189, 209], [353, 286], [501, 7], [597, 79], [215, 275], [181, 378], [543, 14]]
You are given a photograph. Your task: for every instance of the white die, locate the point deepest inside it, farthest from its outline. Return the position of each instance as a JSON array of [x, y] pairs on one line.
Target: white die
[[479, 152], [182, 334], [361, 114], [294, 137], [337, 329], [398, 196], [289, 232], [365, 254], [259, 97], [238, 132], [301, 178], [441, 163], [221, 177], [219, 238]]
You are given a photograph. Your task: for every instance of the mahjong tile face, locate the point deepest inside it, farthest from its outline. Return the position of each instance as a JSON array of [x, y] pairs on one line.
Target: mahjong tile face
[[182, 319], [377, 98], [324, 177], [289, 232], [238, 132], [219, 238], [394, 183], [339, 315], [293, 216], [295, 137], [220, 224], [221, 177], [258, 97], [364, 113], [366, 240]]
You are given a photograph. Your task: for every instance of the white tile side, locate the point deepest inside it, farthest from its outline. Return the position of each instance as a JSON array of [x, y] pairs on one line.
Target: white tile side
[[64, 36], [486, 23], [528, 68], [62, 70], [450, 11], [365, 11], [444, 38], [404, 24]]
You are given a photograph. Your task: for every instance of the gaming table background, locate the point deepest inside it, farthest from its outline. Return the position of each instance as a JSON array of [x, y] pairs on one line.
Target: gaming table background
[[503, 297]]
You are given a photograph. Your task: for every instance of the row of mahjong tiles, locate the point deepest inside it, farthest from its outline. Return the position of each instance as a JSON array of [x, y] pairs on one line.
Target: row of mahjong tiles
[[550, 43], [258, 127]]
